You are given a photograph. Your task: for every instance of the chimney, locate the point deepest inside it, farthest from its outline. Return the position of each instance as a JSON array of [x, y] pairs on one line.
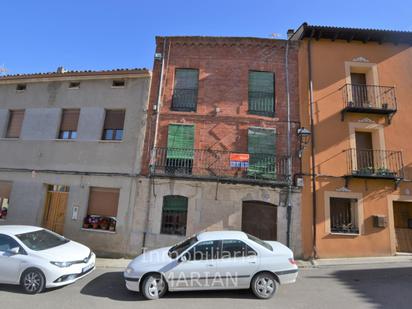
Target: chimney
[[61, 70], [290, 33]]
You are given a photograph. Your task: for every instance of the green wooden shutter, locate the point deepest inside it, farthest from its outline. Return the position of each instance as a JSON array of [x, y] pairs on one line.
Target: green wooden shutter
[[180, 141], [261, 93], [175, 203], [262, 150]]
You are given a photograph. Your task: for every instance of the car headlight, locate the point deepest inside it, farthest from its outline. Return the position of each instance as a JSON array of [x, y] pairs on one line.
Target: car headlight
[[129, 270], [62, 264]]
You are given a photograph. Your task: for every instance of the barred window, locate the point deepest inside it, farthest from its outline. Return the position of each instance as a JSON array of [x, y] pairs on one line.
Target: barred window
[[185, 90], [262, 93], [343, 215], [262, 151], [174, 216]]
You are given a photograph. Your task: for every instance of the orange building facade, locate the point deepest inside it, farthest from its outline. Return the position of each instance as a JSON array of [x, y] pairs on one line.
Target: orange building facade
[[356, 98]]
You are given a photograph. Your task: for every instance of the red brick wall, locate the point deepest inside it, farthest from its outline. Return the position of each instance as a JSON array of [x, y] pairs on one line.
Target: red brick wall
[[223, 65]]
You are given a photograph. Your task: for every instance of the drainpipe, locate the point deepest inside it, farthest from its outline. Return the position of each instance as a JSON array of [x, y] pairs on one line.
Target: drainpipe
[[289, 152], [313, 163], [153, 152], [158, 106]]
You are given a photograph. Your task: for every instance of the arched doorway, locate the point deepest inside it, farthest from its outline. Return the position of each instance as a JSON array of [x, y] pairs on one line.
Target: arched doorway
[[260, 219]]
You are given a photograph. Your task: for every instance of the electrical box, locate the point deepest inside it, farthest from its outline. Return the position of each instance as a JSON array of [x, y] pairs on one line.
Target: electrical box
[[158, 56], [380, 221]]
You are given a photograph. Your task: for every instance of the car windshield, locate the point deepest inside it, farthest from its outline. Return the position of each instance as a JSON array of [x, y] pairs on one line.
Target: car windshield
[[41, 240], [260, 242], [177, 249]]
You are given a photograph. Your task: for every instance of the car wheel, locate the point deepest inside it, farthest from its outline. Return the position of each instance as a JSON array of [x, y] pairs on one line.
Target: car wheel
[[33, 281], [264, 285], [154, 287]]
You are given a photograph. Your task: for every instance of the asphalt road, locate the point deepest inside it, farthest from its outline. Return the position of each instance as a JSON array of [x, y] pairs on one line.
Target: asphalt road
[[375, 286]]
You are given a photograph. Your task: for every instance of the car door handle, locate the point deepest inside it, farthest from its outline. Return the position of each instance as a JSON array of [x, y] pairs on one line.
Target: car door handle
[[252, 262], [210, 265]]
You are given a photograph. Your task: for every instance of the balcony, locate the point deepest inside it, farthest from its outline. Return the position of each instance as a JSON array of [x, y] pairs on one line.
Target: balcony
[[378, 164], [369, 99], [221, 166], [261, 103]]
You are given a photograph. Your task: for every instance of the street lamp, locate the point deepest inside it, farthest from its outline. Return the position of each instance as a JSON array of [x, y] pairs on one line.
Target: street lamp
[[304, 136]]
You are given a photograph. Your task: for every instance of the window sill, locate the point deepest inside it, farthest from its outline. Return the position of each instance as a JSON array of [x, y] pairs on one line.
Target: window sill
[[9, 139], [109, 141], [98, 231], [345, 234], [65, 140]]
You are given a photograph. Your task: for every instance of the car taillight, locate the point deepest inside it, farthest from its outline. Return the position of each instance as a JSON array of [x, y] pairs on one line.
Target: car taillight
[[292, 261]]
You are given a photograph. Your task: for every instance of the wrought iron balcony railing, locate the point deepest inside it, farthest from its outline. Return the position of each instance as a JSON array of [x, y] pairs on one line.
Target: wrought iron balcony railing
[[184, 99], [375, 163], [222, 165], [372, 99]]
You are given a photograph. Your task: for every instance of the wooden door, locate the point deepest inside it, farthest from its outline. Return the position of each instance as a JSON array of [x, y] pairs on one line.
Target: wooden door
[[260, 219], [55, 211], [364, 152], [402, 214], [359, 89]]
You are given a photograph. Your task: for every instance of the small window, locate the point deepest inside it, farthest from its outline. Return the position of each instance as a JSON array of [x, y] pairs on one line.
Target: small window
[[118, 83], [236, 248], [343, 215], [262, 93], [185, 90], [102, 210], [5, 188], [174, 215], [74, 85], [15, 122], [113, 125], [68, 126], [206, 250], [21, 87]]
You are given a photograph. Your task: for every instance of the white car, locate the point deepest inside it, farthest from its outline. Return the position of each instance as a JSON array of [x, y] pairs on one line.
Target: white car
[[37, 258], [211, 261]]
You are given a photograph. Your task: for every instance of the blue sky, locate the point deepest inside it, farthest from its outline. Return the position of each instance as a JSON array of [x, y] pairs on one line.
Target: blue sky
[[40, 35]]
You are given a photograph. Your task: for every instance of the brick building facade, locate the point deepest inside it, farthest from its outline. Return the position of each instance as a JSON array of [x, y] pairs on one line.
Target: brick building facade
[[216, 146]]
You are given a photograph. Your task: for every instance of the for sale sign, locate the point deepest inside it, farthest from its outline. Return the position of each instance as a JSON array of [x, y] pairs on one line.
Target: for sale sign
[[239, 160]]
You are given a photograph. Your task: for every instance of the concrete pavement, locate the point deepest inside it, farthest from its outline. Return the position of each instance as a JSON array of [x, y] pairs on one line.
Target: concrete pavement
[[380, 285]]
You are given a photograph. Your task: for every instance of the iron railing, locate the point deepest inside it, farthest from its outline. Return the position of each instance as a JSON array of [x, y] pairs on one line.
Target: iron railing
[[212, 164], [369, 98], [261, 103], [375, 163], [184, 99]]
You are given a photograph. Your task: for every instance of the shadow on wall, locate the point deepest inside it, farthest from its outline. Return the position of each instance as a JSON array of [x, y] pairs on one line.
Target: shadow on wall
[[381, 287]]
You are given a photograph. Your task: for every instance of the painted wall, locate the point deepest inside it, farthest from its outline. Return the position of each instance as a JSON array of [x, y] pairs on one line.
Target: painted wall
[[38, 147], [333, 137]]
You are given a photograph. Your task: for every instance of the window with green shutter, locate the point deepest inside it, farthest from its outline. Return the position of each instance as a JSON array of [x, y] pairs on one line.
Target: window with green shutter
[[180, 152], [174, 215], [261, 93], [262, 153], [185, 90]]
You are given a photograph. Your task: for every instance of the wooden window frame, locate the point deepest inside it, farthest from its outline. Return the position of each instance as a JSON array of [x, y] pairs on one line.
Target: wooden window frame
[[179, 228], [12, 114]]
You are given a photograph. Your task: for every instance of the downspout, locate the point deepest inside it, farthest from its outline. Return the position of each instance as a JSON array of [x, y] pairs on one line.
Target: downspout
[[313, 163], [289, 156], [153, 152]]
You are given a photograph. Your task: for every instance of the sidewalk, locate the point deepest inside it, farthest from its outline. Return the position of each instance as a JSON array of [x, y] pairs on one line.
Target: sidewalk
[[402, 258]]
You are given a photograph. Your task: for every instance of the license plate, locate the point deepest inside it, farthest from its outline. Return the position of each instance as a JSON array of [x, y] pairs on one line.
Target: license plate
[[87, 268]]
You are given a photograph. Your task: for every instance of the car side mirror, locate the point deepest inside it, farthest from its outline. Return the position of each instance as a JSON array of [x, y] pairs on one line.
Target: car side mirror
[[183, 258], [13, 251]]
